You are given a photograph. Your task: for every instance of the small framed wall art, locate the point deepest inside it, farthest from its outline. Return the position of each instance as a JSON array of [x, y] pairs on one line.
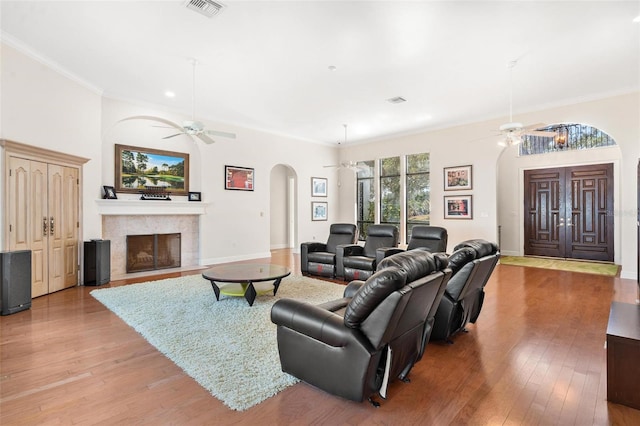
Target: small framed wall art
[[318, 187], [456, 178], [458, 207], [238, 178], [195, 196], [319, 210]]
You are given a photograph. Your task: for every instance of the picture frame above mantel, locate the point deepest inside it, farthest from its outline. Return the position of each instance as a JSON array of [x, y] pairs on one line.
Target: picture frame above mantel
[[138, 168]]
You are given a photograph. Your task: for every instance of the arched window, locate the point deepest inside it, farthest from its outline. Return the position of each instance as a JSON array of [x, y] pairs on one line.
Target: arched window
[[568, 137]]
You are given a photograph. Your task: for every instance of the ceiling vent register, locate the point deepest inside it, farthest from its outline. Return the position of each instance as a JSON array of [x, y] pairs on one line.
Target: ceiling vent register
[[207, 8]]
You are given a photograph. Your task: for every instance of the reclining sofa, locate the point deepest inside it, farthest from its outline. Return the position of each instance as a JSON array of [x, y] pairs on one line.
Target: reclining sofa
[[471, 263], [354, 346]]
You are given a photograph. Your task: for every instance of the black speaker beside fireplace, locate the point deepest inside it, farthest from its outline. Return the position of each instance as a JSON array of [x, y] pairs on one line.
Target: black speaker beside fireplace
[[97, 262], [15, 281]]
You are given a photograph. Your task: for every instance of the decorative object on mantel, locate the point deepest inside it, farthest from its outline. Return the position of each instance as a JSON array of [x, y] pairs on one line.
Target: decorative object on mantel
[[195, 196], [109, 193], [238, 178], [138, 168], [155, 193]]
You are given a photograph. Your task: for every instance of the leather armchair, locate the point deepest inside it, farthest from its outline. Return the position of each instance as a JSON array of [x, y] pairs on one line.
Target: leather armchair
[[352, 347], [355, 262], [318, 258], [471, 263], [431, 238]]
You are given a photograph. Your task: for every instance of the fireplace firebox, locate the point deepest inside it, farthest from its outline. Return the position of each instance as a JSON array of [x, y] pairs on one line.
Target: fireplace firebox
[[153, 251]]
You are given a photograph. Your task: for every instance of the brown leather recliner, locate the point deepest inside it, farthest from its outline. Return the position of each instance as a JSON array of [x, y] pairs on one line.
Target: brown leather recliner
[[352, 347], [318, 258]]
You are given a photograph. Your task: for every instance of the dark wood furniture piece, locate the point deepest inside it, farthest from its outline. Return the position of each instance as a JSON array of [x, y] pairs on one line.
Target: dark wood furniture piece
[[623, 355], [241, 279]]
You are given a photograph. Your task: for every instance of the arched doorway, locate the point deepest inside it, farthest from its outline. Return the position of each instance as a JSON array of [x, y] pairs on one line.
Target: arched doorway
[[283, 207]]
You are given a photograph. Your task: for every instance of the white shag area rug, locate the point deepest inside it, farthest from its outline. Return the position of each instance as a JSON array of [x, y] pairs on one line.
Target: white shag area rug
[[227, 346]]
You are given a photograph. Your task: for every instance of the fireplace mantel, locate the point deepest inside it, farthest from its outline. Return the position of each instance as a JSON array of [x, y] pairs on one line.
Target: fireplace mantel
[[150, 207]]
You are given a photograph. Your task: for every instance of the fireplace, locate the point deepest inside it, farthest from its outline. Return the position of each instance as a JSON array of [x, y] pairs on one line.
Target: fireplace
[[153, 251]]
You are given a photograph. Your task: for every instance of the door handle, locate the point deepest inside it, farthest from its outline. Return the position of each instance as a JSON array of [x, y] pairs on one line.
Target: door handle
[[561, 222], [51, 226], [45, 229]]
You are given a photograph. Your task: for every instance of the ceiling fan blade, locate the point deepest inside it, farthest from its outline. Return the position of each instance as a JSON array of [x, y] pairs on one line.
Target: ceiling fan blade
[[206, 139], [173, 136], [165, 127], [220, 133], [541, 133]]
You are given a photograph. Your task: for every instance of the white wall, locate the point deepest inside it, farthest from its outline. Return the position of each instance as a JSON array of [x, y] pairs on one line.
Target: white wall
[[278, 207], [619, 116], [43, 108]]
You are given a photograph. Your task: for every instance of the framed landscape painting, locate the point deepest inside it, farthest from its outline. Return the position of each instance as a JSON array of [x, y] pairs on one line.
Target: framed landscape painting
[[456, 178], [138, 169], [238, 178]]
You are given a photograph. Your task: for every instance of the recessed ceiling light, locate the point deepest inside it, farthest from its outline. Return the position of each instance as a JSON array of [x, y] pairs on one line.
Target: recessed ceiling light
[[636, 19], [169, 94]]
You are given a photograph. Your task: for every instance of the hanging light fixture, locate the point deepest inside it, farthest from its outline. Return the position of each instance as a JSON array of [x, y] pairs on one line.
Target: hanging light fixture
[[562, 137]]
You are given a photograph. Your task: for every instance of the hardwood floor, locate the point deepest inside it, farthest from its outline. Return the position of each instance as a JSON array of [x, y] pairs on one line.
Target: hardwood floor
[[535, 356]]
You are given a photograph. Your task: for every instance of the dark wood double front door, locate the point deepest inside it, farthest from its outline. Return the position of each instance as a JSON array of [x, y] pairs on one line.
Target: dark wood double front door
[[569, 212]]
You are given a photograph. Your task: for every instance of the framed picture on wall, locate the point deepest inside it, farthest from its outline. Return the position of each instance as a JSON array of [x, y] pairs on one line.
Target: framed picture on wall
[[318, 187], [458, 207], [319, 210], [456, 178], [238, 178], [139, 168]]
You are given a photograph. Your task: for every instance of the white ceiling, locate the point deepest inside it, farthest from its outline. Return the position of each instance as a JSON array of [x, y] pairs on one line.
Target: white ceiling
[[264, 64]]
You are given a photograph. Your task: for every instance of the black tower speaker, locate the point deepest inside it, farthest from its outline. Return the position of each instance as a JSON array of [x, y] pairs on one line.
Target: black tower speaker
[[97, 262], [15, 278]]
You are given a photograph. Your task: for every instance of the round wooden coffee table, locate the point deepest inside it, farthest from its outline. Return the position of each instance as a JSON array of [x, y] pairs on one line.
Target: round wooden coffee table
[[240, 279]]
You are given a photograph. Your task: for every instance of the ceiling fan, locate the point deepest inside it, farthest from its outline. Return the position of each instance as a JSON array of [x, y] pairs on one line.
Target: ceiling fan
[[352, 165], [513, 131], [196, 128]]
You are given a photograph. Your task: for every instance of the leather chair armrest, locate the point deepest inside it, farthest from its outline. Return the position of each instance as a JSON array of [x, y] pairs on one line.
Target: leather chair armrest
[[352, 288], [342, 251], [305, 249], [312, 321], [383, 252]]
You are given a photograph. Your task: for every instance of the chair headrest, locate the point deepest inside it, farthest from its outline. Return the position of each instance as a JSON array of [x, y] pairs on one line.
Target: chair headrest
[[377, 288], [428, 232], [482, 247], [382, 231], [342, 228], [416, 263], [461, 257]]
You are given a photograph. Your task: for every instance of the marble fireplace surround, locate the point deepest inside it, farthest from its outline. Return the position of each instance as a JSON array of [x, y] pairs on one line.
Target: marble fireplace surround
[[138, 217]]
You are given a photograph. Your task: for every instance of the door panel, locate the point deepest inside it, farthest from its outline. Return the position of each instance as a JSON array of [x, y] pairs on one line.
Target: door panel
[[56, 246], [568, 212], [69, 222], [544, 213]]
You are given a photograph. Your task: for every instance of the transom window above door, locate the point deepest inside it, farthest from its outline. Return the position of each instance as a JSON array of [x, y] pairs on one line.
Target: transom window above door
[[569, 136]]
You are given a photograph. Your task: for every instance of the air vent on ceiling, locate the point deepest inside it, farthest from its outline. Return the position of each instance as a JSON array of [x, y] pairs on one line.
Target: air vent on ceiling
[[205, 7], [397, 100]]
